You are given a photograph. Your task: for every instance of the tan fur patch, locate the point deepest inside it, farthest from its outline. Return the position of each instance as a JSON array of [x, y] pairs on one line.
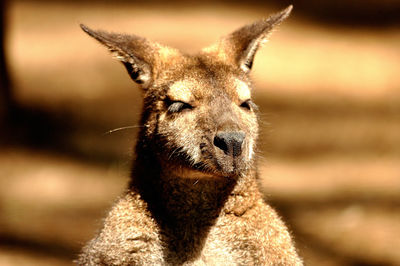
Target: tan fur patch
[[181, 91], [166, 53], [219, 51], [243, 90]]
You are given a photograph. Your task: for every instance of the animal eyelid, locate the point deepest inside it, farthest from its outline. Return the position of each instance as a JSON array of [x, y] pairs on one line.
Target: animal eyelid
[[177, 106]]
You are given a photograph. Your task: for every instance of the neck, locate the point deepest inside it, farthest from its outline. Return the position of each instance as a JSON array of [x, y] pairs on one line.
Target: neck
[[186, 203]]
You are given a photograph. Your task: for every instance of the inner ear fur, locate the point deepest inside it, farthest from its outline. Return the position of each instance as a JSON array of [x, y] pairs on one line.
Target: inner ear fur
[[240, 47], [138, 55]]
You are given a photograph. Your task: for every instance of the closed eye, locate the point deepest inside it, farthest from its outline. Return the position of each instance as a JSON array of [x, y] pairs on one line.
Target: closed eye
[[177, 106]]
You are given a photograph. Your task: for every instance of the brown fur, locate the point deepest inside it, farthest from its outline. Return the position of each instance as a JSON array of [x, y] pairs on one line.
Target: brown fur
[[193, 198]]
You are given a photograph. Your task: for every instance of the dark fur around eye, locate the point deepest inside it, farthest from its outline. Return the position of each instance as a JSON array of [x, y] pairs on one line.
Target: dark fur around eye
[[177, 106]]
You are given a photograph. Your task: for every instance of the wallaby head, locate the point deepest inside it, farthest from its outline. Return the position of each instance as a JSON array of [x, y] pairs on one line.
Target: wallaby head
[[198, 116]]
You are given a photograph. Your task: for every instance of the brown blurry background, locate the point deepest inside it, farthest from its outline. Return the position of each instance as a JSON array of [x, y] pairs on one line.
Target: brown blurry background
[[328, 88]]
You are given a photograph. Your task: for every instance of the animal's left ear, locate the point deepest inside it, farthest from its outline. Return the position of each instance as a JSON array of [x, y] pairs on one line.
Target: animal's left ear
[[240, 46]]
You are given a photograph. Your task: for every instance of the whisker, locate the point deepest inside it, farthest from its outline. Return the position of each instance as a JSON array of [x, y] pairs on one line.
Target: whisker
[[119, 129]]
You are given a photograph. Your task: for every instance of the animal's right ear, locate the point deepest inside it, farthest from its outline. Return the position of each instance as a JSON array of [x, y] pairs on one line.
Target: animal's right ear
[[137, 54]]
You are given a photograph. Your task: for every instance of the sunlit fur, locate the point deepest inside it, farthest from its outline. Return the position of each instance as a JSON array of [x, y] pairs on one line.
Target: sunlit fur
[[190, 201]]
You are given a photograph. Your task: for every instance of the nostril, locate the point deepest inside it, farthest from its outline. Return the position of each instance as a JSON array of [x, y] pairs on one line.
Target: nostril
[[220, 142], [230, 142]]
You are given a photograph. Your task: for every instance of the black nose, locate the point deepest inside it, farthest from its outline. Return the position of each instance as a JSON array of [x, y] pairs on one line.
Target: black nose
[[230, 142]]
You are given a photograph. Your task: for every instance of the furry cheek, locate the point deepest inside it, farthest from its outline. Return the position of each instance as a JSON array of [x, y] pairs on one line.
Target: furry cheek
[[181, 137]]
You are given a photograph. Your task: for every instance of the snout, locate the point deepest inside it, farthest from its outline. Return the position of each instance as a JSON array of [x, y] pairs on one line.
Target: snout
[[230, 142]]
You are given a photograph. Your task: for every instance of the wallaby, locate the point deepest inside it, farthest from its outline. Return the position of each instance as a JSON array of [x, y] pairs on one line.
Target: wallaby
[[193, 198]]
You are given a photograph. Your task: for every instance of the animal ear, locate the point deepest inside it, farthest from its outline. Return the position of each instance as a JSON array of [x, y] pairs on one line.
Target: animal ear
[[241, 45], [137, 54]]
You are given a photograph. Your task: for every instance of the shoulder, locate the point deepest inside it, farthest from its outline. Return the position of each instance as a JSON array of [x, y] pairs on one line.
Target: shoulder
[[129, 236], [275, 237]]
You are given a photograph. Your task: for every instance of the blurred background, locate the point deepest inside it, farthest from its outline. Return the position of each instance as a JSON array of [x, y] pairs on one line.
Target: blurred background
[[328, 88]]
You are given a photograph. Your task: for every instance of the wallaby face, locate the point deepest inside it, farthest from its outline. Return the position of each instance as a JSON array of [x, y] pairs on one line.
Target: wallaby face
[[203, 118], [193, 197], [198, 108]]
